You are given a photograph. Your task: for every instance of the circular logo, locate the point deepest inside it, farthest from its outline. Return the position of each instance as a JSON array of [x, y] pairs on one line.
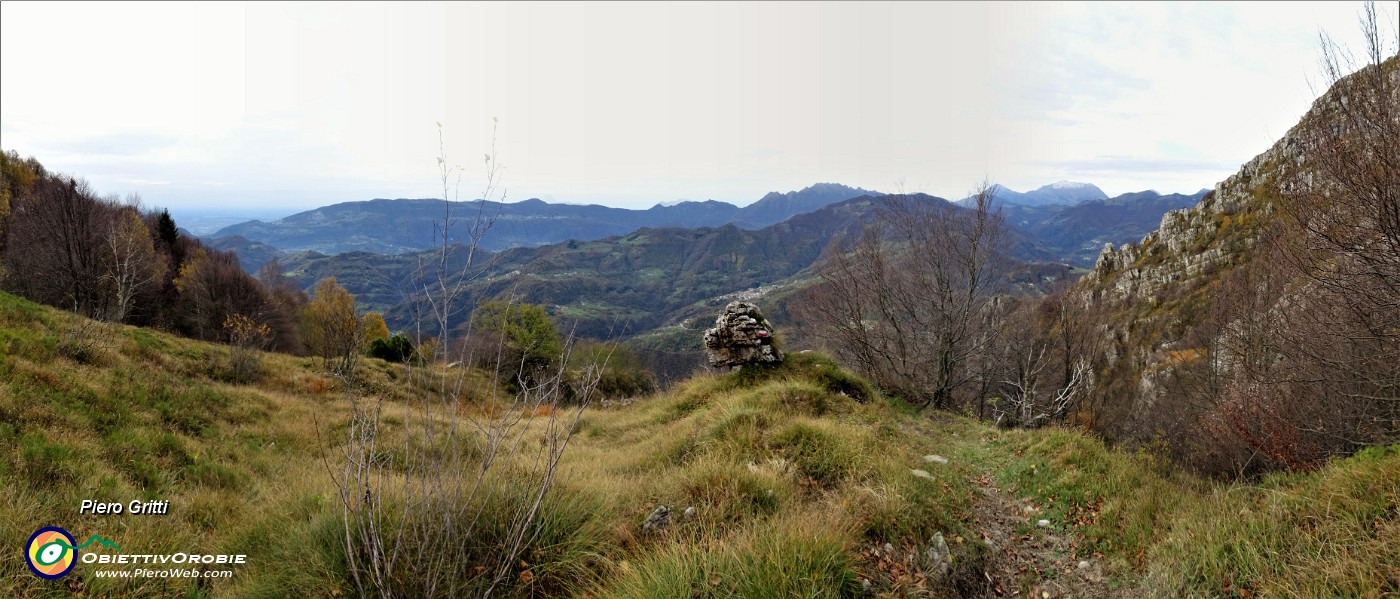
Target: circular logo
[[50, 552]]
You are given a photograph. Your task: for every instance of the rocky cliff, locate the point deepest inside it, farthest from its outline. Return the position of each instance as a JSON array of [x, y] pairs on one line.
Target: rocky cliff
[[1168, 304]]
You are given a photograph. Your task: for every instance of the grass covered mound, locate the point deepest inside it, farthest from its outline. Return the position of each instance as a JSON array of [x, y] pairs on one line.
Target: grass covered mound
[[790, 480]]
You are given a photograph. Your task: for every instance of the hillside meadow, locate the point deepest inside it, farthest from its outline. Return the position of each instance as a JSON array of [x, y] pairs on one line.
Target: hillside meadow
[[805, 482]]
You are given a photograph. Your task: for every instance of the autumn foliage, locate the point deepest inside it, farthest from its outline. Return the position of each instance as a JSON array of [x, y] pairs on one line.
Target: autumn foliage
[[107, 258]]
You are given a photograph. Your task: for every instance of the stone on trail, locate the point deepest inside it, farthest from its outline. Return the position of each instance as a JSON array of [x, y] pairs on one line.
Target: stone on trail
[[658, 519]]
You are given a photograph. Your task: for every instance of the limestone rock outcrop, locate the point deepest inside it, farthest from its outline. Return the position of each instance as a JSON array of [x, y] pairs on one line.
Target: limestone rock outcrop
[[741, 336], [1154, 293]]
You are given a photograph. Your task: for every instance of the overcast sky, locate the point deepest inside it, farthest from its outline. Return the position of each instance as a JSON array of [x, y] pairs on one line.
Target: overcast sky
[[281, 107]]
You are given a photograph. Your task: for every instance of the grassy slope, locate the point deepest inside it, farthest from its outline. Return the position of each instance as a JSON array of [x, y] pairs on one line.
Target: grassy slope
[[796, 487]]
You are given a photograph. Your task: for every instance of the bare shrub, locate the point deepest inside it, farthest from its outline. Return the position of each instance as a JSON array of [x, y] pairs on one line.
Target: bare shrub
[[87, 341], [246, 341], [452, 514]]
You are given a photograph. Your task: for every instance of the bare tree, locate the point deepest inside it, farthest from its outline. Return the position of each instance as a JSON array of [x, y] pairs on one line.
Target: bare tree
[[56, 240], [132, 264], [1044, 364], [1347, 201], [1025, 399], [5, 195], [911, 303], [212, 287]]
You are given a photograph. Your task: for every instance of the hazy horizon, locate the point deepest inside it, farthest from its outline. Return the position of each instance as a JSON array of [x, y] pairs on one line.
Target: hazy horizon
[[279, 108], [211, 219]]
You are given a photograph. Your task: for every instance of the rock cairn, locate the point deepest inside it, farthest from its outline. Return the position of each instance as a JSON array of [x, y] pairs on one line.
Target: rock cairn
[[741, 336]]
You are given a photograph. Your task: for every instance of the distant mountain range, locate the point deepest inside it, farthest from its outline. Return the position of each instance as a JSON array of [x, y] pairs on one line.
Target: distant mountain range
[[1069, 222], [638, 281], [397, 226], [778, 207], [1077, 233], [658, 281], [1063, 193]]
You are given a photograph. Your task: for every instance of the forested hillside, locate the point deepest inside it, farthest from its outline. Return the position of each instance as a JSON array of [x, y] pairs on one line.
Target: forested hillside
[[1077, 233], [108, 258]]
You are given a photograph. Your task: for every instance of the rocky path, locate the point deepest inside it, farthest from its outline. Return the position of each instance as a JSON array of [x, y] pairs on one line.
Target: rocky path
[[1026, 558], [1033, 557]]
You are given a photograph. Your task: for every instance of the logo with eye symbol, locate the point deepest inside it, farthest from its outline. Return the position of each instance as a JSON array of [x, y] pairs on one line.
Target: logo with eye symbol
[[50, 552]]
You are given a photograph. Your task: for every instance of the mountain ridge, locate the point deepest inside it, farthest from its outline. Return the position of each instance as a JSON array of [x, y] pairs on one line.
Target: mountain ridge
[[647, 277], [391, 226], [385, 226], [775, 207], [1077, 233], [1058, 193]]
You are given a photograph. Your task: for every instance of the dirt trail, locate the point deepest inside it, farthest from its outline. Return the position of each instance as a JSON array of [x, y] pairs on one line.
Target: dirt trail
[[1027, 560], [1024, 560]]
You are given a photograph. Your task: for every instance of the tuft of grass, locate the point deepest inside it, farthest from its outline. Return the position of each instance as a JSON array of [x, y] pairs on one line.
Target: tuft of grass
[[214, 475], [147, 458], [799, 396], [818, 450], [738, 432], [826, 373], [1332, 533], [564, 551], [304, 556], [49, 463], [815, 367], [794, 557], [727, 495]]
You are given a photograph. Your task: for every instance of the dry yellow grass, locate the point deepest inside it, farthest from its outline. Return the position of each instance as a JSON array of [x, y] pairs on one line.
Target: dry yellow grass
[[791, 482]]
